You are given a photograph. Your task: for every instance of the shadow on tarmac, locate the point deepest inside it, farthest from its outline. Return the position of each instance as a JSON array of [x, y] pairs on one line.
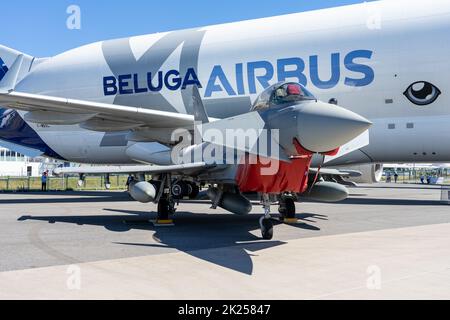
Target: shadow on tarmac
[[76, 196], [222, 239], [390, 202], [405, 186]]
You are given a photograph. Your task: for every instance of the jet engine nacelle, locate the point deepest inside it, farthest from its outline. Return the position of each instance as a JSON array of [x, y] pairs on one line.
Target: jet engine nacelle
[[326, 192], [232, 202], [143, 191], [370, 173], [152, 152]]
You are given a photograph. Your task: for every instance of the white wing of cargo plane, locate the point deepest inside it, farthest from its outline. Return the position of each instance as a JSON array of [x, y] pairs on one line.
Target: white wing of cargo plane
[[62, 111]]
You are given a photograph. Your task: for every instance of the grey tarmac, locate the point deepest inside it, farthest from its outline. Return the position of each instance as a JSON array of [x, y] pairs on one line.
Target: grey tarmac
[[385, 241]]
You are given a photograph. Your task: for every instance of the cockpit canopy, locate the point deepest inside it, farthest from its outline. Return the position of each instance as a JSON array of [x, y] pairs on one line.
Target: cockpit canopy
[[282, 93]]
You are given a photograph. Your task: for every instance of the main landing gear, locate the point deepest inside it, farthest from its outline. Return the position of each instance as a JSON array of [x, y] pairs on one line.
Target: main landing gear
[[287, 210], [166, 203], [166, 208], [184, 189], [169, 192]]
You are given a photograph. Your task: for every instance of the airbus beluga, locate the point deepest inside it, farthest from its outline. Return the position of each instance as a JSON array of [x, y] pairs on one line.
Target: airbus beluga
[[119, 102]]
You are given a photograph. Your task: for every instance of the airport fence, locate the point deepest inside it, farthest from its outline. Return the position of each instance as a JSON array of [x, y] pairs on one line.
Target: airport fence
[[23, 184], [118, 182], [409, 176], [445, 195]]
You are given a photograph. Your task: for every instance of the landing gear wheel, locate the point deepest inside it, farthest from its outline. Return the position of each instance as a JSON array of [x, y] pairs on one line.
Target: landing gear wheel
[[287, 209], [266, 228], [180, 189], [194, 192], [166, 203], [163, 210]]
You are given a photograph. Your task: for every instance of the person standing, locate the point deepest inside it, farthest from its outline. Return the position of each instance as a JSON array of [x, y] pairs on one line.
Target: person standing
[[130, 180], [388, 177], [44, 180], [396, 177]]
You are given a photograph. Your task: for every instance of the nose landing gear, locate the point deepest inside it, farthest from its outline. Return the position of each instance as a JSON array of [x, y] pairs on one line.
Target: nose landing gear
[[266, 228], [286, 209], [266, 222]]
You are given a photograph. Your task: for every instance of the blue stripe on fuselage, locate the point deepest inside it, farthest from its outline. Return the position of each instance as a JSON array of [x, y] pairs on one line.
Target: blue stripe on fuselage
[[15, 130], [3, 69]]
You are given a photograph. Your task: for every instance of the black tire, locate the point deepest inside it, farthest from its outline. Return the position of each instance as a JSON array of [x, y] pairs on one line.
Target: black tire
[[195, 190], [180, 189], [267, 229], [290, 212], [163, 209], [287, 209]]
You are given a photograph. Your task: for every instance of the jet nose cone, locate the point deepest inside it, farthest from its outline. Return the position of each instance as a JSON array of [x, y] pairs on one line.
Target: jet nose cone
[[325, 127]]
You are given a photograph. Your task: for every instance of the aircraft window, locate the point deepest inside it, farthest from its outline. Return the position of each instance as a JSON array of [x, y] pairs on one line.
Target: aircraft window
[[282, 93]]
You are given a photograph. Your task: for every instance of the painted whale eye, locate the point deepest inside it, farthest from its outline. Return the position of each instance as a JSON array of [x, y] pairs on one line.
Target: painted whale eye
[[422, 93]]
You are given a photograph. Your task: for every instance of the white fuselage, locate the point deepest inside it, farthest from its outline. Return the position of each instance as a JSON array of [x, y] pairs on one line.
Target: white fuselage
[[364, 56]]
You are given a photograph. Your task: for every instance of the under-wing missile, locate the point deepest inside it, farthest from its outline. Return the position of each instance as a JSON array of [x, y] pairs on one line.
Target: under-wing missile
[[326, 192], [143, 191], [233, 202]]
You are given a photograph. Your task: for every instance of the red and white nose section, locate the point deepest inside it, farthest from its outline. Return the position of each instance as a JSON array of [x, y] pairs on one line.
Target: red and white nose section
[[305, 126]]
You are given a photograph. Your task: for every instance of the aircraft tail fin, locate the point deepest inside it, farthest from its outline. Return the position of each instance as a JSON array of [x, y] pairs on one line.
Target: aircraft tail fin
[[14, 65], [11, 75]]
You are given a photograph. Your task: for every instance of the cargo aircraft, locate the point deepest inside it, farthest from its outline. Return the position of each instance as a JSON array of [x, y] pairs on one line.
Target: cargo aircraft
[[221, 106]]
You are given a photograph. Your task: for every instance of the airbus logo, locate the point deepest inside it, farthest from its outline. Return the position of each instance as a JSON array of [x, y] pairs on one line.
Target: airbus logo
[[3, 69], [248, 76]]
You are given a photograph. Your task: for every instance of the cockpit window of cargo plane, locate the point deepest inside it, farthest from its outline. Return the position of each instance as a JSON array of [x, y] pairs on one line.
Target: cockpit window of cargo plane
[[282, 93]]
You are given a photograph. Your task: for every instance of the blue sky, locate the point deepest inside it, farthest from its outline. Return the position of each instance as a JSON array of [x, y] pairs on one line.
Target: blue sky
[[39, 27]]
